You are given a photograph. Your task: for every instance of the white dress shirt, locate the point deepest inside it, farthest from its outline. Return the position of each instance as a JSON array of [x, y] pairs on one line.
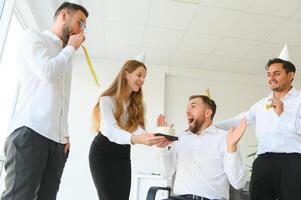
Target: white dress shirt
[[45, 78], [109, 126], [278, 134], [203, 166]]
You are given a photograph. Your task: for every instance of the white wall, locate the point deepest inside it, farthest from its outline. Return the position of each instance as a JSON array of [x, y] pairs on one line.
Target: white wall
[[166, 90], [232, 94]]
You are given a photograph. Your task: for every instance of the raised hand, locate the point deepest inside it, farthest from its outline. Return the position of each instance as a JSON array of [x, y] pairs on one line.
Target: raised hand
[[234, 135], [161, 120], [76, 40]]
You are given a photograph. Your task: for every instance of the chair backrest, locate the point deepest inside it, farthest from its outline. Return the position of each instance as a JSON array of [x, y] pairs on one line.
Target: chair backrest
[[151, 194]]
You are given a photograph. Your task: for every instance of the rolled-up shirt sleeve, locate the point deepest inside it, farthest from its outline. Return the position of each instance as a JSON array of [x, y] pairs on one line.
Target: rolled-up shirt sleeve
[[109, 126], [250, 116]]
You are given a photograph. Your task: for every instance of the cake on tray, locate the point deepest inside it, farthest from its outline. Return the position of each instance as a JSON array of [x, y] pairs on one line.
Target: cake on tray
[[167, 132]]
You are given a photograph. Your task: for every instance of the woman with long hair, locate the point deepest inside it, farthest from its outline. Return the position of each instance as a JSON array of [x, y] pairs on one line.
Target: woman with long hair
[[118, 118]]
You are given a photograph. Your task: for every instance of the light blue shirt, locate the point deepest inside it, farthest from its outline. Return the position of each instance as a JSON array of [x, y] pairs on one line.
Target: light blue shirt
[[278, 134]]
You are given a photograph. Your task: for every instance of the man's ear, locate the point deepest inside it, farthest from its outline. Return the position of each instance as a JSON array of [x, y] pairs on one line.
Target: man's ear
[[64, 13], [208, 113], [291, 76]]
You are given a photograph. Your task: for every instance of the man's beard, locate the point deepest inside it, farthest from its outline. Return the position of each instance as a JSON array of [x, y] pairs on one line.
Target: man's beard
[[195, 126], [66, 34]]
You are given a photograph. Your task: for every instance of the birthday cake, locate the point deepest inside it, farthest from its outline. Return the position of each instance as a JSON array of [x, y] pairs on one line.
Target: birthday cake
[[167, 132]]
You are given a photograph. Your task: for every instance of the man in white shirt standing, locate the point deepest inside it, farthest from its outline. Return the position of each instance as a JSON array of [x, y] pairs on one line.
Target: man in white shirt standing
[[205, 160], [38, 145], [276, 172]]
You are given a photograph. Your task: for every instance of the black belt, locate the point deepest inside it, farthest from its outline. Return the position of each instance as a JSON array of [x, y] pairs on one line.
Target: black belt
[[194, 197]]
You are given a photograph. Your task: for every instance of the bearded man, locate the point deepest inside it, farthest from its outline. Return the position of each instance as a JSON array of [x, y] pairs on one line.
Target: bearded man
[[38, 143], [205, 160]]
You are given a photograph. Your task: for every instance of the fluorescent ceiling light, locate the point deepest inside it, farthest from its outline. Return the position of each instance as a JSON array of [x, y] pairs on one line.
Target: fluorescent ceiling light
[[189, 1]]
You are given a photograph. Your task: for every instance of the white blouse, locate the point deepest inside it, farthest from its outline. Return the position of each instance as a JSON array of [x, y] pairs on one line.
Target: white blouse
[[109, 126]]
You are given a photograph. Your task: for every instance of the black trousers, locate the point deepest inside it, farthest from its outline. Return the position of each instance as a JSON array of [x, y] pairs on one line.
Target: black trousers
[[110, 167], [34, 166], [276, 176]]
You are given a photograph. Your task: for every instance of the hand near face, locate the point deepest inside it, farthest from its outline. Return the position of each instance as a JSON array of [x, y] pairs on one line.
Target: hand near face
[[76, 40], [234, 135], [277, 105]]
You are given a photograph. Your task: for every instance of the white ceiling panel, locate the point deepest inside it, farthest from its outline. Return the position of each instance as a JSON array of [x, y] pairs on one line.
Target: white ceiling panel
[[216, 63], [233, 4], [265, 51], [236, 36], [123, 33], [297, 14], [157, 56], [198, 43], [95, 9], [171, 14], [289, 32], [136, 11], [121, 51], [252, 67], [188, 60], [295, 53], [276, 8], [162, 38], [216, 21], [236, 48], [256, 27], [95, 40]]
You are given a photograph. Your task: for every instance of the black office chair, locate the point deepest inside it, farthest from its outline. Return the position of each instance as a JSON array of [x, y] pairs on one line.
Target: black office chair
[[234, 194], [151, 194]]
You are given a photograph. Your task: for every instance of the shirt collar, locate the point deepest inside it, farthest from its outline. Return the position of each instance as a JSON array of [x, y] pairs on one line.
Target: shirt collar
[[211, 129], [54, 37], [292, 92]]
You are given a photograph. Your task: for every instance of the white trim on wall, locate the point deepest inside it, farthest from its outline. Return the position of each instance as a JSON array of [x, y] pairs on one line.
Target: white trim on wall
[[5, 19]]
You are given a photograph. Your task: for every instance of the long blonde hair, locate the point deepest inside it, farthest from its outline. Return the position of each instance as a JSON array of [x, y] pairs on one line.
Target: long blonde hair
[[135, 110]]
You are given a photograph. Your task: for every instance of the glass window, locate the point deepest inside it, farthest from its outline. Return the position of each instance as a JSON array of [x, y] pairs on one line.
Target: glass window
[[1, 6], [8, 78]]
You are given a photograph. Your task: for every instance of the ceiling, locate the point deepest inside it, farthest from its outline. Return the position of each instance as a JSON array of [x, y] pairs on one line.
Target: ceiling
[[236, 36]]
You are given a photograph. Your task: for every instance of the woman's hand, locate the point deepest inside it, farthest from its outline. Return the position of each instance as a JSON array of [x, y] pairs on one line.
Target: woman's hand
[[147, 139]]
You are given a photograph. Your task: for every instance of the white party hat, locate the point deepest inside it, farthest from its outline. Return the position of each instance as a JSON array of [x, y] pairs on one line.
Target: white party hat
[[141, 57], [284, 55], [207, 93]]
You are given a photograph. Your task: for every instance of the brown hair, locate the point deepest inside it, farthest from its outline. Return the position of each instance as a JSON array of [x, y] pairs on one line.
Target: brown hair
[[135, 111], [209, 102], [71, 7]]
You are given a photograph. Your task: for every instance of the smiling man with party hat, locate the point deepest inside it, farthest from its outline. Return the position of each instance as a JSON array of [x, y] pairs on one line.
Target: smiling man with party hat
[[276, 172]]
